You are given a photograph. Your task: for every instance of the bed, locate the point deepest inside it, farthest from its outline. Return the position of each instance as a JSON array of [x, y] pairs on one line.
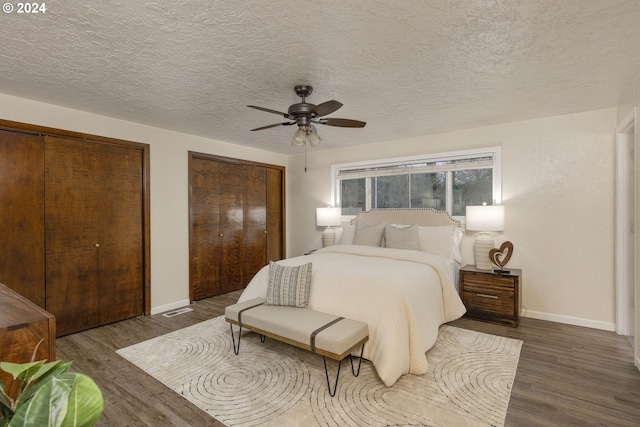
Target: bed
[[402, 288]]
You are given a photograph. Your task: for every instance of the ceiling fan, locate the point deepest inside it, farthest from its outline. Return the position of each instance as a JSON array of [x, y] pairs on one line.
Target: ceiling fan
[[305, 115]]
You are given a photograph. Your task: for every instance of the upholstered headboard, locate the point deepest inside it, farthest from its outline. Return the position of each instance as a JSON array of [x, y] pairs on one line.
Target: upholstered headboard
[[420, 216]]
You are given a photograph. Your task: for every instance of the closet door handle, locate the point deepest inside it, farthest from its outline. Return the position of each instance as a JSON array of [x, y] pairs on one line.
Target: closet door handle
[[97, 245], [487, 296], [220, 235]]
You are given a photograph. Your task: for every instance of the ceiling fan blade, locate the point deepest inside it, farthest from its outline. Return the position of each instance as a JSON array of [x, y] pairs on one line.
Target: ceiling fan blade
[[268, 110], [345, 123], [326, 108], [274, 125]]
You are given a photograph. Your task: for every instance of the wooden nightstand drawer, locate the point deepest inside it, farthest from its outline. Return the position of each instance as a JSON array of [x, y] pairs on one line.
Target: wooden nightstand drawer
[[492, 297], [484, 280], [494, 302]]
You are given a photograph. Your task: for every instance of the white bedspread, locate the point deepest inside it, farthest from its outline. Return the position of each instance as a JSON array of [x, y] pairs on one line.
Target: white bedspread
[[404, 296]]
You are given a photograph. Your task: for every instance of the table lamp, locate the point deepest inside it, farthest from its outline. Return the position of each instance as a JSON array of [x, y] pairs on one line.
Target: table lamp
[[484, 219], [328, 217]]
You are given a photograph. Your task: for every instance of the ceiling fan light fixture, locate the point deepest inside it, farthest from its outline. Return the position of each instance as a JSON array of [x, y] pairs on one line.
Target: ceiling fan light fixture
[[299, 138], [305, 135], [304, 114]]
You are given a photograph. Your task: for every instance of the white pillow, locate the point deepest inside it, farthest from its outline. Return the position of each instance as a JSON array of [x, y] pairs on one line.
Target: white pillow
[[348, 230], [441, 240]]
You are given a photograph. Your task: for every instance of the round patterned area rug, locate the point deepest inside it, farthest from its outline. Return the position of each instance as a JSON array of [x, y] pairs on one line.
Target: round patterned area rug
[[274, 384]]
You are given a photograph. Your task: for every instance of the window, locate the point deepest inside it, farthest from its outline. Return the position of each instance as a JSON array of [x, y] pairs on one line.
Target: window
[[445, 181]]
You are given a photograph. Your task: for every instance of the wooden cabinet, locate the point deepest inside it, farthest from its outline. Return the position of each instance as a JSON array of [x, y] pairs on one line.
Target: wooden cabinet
[[22, 326], [492, 297], [75, 224], [236, 222]]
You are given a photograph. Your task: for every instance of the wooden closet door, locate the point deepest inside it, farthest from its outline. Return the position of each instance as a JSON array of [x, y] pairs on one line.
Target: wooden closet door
[[231, 200], [204, 240], [231, 213], [22, 214], [255, 220], [275, 218], [72, 231], [94, 233], [121, 253], [216, 263]]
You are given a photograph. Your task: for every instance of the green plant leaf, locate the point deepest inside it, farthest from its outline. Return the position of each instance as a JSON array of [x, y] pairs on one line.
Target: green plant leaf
[[6, 408], [4, 397], [85, 403], [47, 406], [39, 378], [50, 396], [21, 370]]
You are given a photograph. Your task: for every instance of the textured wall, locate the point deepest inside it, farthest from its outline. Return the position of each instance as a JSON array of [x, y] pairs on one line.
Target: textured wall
[[558, 182], [558, 190]]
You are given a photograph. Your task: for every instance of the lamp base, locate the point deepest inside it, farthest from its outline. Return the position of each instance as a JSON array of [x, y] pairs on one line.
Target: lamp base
[[481, 247], [329, 237]]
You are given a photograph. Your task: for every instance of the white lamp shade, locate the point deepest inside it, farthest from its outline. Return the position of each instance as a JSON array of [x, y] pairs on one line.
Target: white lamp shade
[[485, 218], [328, 217]]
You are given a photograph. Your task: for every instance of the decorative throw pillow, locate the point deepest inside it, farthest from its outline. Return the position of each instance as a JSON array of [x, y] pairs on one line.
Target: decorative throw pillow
[[289, 286], [402, 237], [370, 235], [348, 231], [442, 240]]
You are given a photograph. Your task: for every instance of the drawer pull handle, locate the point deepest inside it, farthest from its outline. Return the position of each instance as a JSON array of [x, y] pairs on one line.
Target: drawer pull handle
[[487, 296]]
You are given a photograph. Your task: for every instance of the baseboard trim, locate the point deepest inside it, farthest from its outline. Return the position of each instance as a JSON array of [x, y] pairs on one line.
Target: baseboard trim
[[167, 307], [577, 321]]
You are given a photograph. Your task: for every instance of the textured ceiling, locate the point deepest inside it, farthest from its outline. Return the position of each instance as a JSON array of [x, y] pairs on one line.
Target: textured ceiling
[[405, 67]]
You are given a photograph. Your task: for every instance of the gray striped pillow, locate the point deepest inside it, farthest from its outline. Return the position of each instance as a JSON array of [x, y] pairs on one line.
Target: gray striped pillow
[[289, 286], [402, 237], [370, 235]]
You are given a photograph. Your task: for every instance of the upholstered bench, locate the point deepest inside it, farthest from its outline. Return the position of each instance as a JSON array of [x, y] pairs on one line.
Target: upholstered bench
[[326, 334]]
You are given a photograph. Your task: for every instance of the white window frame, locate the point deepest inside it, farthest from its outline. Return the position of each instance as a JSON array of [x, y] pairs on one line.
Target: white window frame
[[494, 152]]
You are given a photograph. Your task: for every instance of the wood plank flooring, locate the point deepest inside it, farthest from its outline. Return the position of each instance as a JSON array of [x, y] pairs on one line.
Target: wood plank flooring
[[567, 375]]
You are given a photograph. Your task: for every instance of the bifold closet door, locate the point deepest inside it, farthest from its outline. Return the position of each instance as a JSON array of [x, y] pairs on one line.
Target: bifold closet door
[[275, 227], [93, 233], [230, 202], [204, 270], [121, 234], [216, 255], [22, 214], [255, 220]]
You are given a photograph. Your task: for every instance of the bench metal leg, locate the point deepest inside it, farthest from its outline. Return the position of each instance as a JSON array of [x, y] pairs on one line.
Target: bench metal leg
[[353, 371], [326, 371], [236, 349]]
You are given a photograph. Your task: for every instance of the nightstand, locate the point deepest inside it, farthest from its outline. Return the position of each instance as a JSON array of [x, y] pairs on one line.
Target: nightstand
[[492, 297]]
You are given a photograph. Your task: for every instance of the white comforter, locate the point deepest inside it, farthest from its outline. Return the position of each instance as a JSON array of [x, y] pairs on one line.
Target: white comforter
[[404, 296]]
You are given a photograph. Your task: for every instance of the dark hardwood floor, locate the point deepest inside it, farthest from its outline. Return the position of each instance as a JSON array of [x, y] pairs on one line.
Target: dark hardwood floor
[[567, 375]]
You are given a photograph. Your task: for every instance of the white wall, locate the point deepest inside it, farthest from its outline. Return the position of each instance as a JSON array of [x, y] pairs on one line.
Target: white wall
[[558, 190], [625, 105], [169, 183]]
